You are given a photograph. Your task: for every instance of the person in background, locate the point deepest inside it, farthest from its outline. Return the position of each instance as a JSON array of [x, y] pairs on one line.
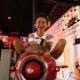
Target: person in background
[[1, 47]]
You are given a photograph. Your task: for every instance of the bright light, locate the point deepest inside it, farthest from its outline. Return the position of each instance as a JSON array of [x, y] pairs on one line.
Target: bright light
[[9, 17]]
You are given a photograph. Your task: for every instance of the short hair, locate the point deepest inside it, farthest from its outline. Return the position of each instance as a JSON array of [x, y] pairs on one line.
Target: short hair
[[41, 15]]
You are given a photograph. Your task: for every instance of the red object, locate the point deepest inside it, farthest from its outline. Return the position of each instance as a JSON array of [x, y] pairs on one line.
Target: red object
[[44, 67], [12, 68], [11, 39], [63, 66], [13, 32], [32, 70]]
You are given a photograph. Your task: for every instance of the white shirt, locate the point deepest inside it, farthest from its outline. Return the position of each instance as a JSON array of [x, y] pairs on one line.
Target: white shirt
[[38, 39]]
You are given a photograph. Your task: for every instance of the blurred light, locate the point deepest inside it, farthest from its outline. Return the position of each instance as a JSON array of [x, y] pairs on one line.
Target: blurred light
[[79, 62], [14, 32], [57, 69], [9, 17], [1, 32]]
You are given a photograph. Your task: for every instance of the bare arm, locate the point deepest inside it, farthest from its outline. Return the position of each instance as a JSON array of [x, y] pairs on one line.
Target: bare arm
[[58, 49]]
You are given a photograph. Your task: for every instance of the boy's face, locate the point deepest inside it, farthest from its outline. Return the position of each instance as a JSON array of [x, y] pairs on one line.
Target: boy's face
[[41, 23]]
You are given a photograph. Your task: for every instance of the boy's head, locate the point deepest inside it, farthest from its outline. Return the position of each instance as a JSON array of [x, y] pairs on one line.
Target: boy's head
[[41, 22]]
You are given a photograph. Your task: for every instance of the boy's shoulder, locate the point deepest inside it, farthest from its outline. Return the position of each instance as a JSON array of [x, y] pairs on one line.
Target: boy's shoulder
[[49, 36], [31, 35]]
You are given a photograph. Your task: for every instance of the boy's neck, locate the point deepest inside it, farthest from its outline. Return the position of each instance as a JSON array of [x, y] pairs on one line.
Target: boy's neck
[[40, 33]]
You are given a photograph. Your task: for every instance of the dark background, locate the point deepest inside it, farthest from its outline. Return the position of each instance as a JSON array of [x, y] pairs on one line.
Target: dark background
[[23, 12]]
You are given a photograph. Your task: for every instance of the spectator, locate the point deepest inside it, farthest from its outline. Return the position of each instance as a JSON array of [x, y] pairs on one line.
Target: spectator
[[1, 47]]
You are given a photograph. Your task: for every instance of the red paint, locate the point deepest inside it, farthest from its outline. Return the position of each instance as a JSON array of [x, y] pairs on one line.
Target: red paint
[[32, 70], [50, 62], [11, 39]]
